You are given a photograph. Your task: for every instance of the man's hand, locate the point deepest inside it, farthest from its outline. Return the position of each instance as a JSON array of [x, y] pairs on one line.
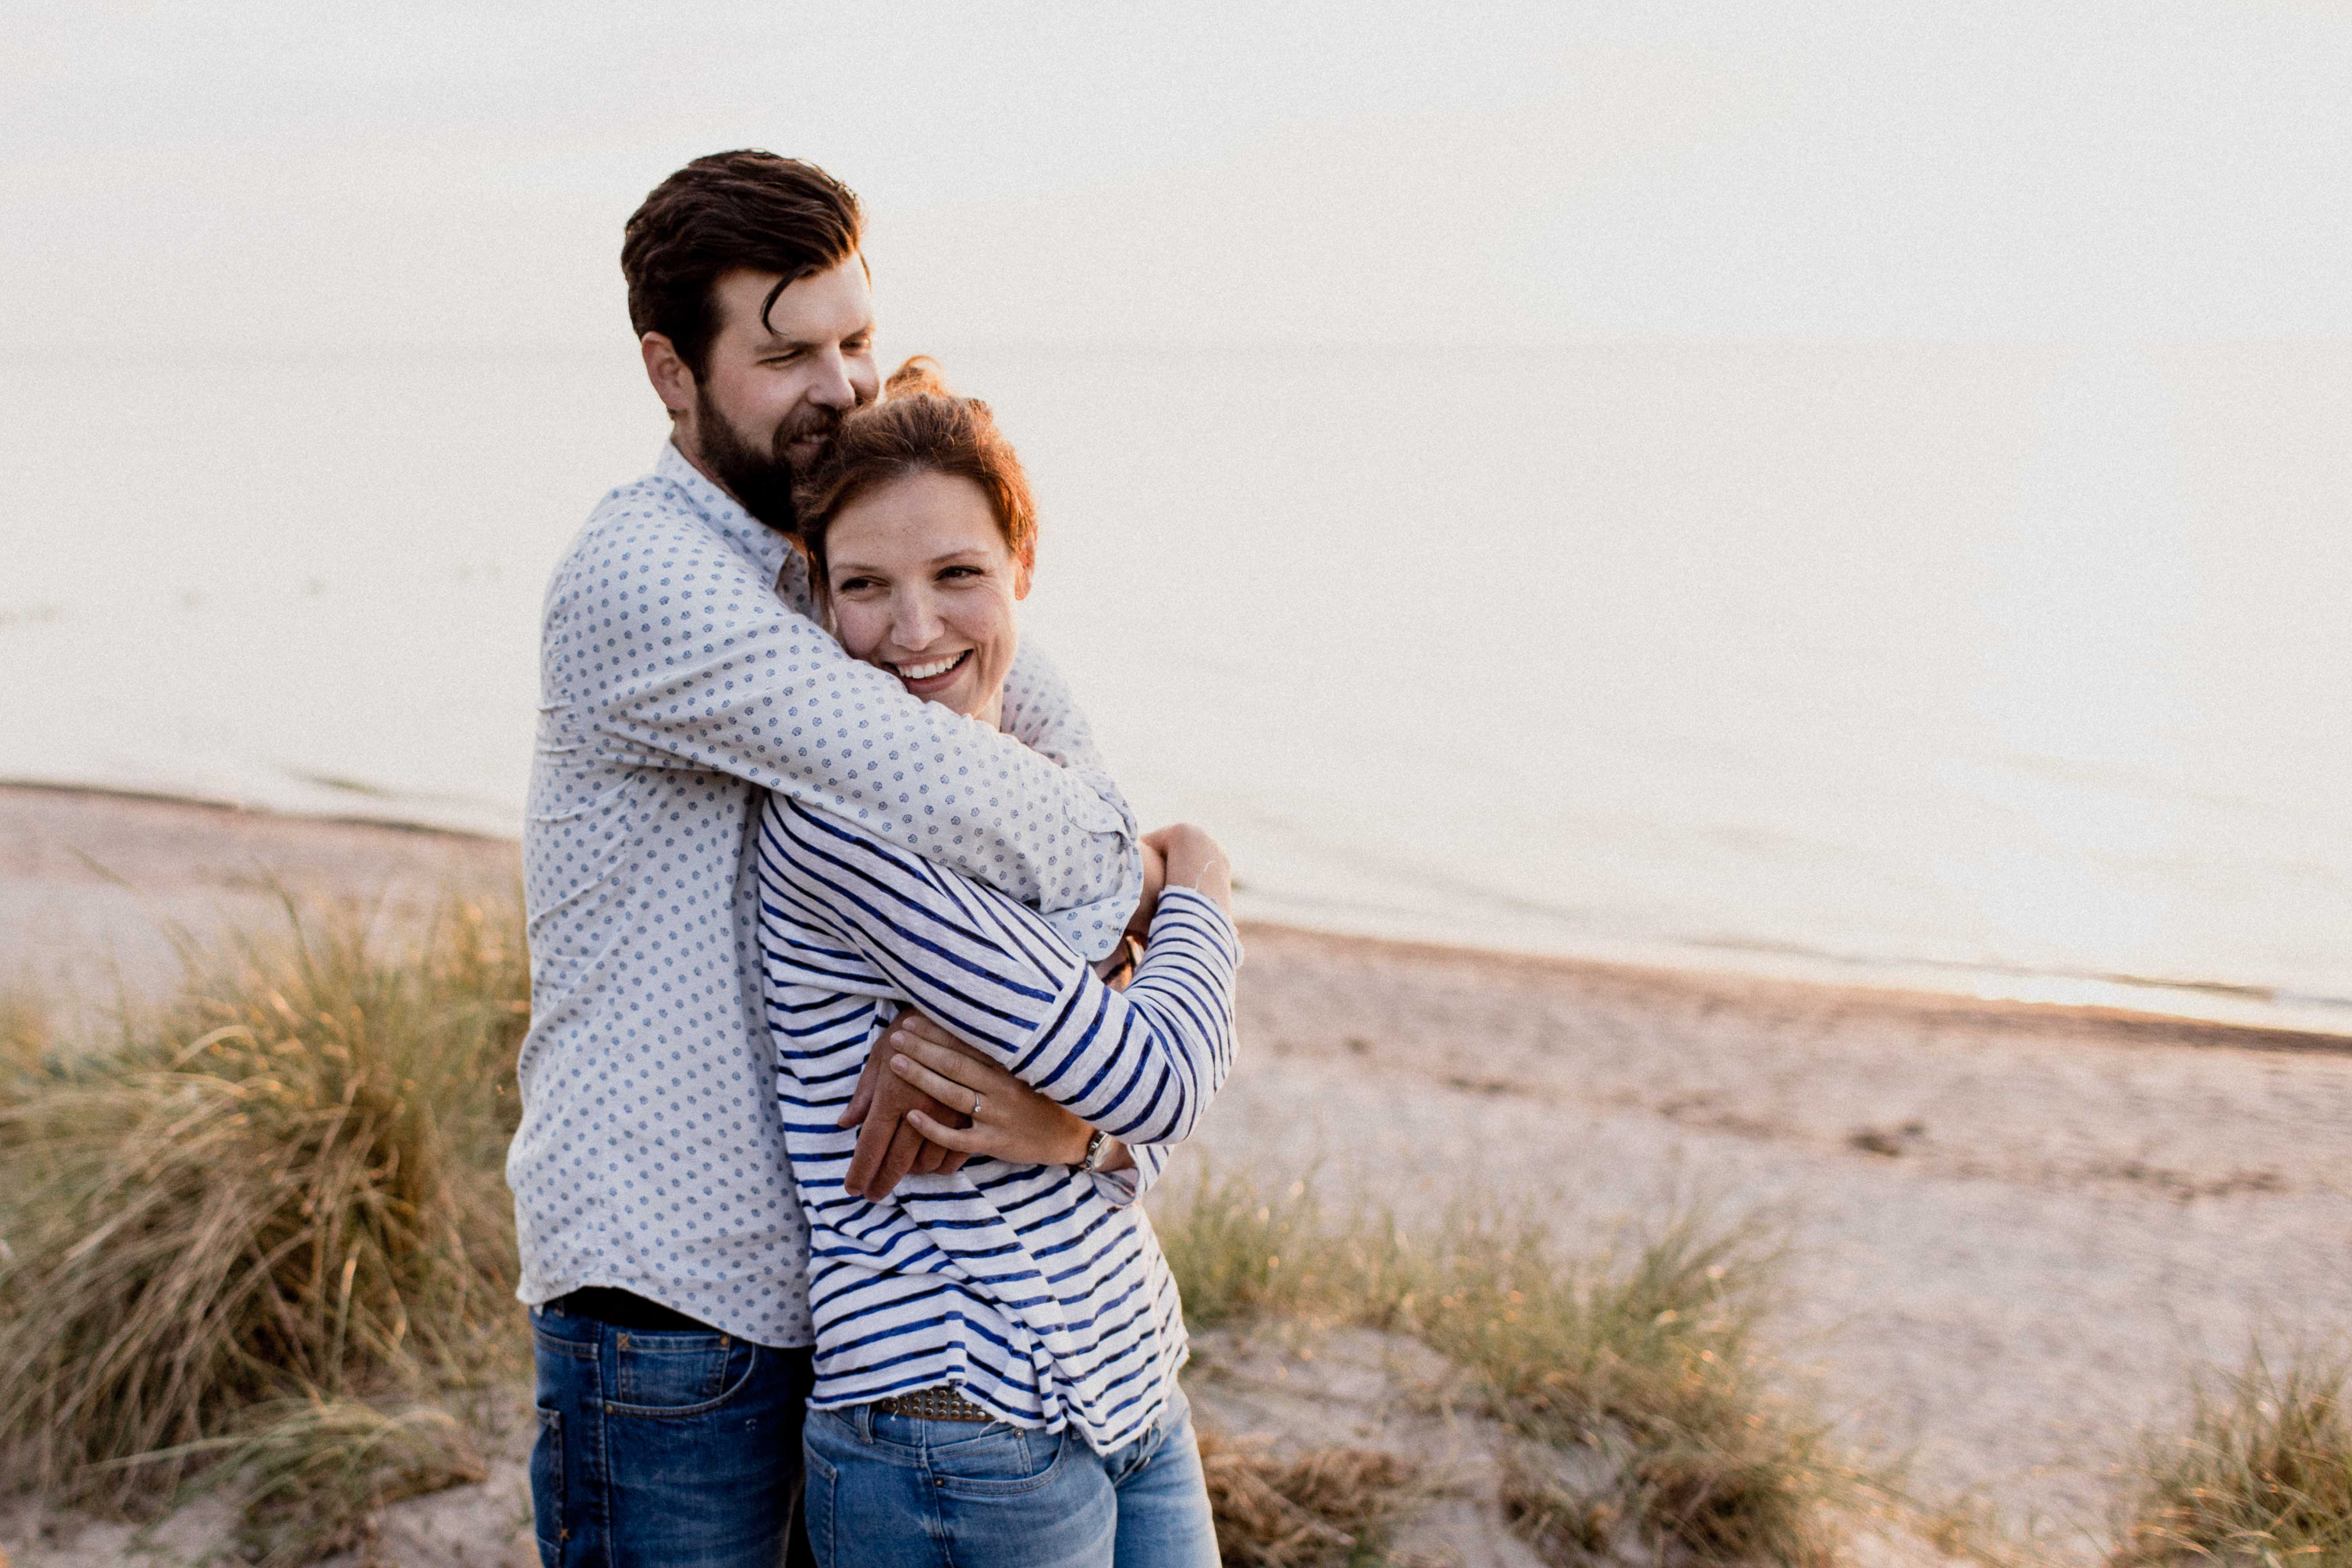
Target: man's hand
[[888, 1146], [1191, 858], [1155, 877]]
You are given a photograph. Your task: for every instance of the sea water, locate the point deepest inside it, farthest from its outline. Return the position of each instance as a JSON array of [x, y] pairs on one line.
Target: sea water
[[2019, 670]]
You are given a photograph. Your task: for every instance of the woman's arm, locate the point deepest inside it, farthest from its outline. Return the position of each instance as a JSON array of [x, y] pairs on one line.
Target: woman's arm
[[996, 1114], [1142, 1065], [1014, 1122]]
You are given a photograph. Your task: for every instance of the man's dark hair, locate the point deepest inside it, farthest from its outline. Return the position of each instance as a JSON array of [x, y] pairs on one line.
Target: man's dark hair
[[730, 209]]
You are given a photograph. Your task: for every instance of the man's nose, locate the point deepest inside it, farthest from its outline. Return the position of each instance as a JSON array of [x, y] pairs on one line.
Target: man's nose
[[831, 388]]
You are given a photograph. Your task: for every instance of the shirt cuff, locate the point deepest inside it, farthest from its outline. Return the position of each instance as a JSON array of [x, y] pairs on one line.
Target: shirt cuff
[[1121, 1188], [1093, 930]]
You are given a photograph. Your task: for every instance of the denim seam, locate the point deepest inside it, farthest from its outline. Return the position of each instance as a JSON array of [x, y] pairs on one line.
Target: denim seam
[[606, 1525], [815, 1465], [563, 1504], [578, 1350]]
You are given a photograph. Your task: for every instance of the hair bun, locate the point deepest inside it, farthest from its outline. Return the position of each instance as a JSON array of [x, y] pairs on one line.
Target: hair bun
[[919, 375]]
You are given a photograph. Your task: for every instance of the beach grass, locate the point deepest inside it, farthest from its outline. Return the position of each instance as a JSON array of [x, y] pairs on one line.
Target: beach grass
[[2259, 1473], [1653, 1429], [277, 1193], [25, 1031], [1326, 1507]]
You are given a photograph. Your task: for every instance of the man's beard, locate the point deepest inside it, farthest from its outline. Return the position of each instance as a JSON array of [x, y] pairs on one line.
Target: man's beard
[[761, 479]]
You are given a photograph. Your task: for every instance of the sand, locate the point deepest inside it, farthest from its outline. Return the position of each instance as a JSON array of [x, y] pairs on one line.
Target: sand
[[2015, 1230]]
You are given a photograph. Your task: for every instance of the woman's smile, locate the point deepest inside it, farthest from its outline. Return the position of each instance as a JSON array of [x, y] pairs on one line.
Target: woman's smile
[[931, 676]]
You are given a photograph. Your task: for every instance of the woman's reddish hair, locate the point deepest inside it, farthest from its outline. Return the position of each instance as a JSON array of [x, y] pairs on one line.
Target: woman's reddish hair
[[918, 426]]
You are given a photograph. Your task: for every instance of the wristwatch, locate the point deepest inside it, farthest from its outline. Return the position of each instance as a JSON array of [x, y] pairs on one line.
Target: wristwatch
[[1094, 1147]]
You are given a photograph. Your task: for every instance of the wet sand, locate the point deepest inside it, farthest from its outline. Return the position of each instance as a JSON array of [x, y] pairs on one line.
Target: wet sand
[[2015, 1229]]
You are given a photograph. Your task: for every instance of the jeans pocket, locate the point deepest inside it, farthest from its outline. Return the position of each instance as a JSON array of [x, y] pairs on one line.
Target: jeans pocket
[[547, 1489], [678, 1374], [1002, 1462]]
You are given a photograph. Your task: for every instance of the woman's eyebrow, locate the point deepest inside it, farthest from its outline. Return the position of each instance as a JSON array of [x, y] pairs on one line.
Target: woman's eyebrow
[[967, 553]]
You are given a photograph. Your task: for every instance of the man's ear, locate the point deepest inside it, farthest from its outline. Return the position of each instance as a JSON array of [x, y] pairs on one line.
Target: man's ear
[[673, 380]]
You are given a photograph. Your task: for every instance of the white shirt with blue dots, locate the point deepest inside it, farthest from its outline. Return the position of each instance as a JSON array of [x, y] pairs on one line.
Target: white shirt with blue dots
[[681, 676]]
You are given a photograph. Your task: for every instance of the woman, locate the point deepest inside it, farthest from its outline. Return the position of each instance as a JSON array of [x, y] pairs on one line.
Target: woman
[[997, 1345]]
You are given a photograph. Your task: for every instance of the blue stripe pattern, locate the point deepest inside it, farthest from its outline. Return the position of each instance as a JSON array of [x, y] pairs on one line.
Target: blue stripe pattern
[[1037, 1289]]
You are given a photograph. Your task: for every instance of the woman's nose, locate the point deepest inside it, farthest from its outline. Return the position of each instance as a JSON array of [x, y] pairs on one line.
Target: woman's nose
[[914, 621]]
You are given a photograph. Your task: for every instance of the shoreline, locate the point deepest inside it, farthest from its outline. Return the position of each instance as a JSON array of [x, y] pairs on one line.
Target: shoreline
[[1727, 985]]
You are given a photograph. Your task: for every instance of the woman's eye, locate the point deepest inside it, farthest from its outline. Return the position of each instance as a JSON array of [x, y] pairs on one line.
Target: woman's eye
[[853, 585], [959, 571]]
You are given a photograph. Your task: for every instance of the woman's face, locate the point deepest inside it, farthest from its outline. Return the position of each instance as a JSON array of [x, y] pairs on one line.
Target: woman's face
[[923, 584]]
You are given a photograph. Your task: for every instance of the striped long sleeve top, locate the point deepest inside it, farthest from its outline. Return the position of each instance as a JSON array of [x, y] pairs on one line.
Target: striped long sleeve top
[[1039, 1291]]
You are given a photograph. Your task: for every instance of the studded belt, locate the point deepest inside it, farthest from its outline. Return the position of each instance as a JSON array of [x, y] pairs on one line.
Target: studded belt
[[940, 1401]]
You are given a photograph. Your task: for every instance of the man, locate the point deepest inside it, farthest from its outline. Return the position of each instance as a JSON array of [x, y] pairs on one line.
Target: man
[[664, 1251]]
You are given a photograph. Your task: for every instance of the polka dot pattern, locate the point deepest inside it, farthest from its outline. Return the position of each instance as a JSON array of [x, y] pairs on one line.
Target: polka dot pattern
[[680, 676]]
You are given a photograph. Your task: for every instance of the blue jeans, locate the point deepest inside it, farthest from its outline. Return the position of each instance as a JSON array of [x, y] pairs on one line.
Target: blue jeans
[[895, 1492], [664, 1450]]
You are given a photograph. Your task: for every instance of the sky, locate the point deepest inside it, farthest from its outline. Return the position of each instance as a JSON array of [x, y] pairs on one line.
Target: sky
[[296, 178]]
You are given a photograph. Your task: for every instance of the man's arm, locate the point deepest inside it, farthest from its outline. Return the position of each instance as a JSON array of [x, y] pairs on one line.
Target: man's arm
[[686, 659], [1041, 713]]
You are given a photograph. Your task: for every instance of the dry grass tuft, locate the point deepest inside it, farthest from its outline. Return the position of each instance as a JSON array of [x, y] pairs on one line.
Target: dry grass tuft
[[26, 1034], [1324, 1506], [1647, 1357], [312, 1471], [315, 1470], [1639, 1362], [283, 1187], [2262, 1475]]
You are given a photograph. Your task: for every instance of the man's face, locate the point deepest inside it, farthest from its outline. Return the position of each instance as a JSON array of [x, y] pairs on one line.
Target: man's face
[[771, 392]]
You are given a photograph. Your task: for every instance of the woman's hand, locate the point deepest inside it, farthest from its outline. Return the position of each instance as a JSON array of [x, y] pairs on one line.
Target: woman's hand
[[1195, 860], [1010, 1120]]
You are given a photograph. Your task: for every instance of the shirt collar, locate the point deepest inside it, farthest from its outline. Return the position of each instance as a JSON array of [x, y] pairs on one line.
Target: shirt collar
[[722, 513]]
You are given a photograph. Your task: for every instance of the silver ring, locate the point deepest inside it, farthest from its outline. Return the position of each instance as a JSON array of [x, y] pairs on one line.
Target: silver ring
[[978, 1100]]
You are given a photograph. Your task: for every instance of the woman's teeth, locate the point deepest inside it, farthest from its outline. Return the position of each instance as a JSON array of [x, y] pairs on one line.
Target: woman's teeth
[[924, 671]]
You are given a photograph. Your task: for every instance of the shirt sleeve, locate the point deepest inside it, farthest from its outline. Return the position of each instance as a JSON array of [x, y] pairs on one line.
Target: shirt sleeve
[[1041, 713], [681, 656], [1140, 1064]]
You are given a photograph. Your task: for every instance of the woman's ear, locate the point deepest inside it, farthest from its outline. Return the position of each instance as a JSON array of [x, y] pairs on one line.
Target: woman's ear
[[1020, 579]]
